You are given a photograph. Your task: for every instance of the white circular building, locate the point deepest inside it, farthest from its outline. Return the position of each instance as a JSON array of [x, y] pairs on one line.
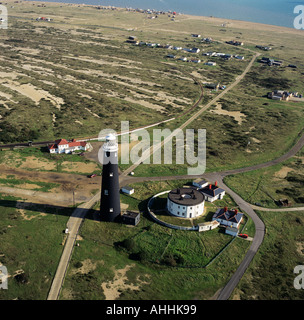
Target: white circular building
[[185, 203]]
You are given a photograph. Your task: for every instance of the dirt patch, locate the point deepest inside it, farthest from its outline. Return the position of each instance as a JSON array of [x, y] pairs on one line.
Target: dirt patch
[[79, 167], [301, 158], [34, 163], [300, 248], [104, 62], [113, 289], [282, 174], [255, 140], [87, 266], [81, 185], [30, 91], [92, 113], [237, 115]]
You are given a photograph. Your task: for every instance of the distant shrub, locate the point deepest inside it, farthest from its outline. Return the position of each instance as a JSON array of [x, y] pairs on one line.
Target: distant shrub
[[139, 256], [78, 264], [170, 261], [21, 278], [128, 244]]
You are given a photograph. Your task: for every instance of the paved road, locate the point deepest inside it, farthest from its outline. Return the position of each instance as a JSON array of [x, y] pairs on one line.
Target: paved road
[[285, 209], [73, 225], [24, 144]]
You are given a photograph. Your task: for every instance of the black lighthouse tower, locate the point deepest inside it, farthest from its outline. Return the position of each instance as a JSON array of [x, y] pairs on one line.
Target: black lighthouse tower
[[110, 199]]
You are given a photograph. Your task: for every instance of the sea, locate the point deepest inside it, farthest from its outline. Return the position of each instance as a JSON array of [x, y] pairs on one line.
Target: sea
[[273, 12]]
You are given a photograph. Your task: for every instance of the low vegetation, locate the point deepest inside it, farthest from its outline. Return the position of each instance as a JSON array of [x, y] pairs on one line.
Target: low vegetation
[[271, 274], [266, 187]]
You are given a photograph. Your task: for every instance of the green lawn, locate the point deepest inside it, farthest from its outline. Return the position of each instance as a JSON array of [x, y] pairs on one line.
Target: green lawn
[[31, 245], [157, 254], [266, 186], [166, 257], [271, 274]]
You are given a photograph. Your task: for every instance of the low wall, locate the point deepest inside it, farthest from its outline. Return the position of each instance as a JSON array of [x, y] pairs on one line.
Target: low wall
[[168, 225]]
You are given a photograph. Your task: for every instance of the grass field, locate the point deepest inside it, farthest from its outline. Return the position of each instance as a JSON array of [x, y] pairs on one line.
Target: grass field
[[157, 257], [31, 245], [271, 276], [77, 75], [147, 250], [267, 186], [39, 159]]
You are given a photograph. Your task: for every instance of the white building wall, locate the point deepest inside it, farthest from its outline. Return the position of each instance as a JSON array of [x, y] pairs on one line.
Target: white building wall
[[185, 211], [211, 199], [228, 223]]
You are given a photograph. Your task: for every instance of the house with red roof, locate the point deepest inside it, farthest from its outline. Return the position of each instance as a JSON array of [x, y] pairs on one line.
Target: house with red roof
[[212, 192], [65, 146], [230, 218]]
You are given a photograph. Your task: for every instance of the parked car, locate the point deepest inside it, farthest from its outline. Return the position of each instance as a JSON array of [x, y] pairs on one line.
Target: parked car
[[243, 235], [93, 175]]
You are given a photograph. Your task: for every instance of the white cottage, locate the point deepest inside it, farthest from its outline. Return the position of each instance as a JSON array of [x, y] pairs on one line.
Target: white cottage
[[64, 146], [212, 192]]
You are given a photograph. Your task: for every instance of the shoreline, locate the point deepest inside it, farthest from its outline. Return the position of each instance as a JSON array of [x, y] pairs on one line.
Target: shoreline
[[230, 22]]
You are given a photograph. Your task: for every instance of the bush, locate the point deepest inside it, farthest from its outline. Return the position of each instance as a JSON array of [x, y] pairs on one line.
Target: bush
[[139, 256], [21, 278], [128, 244], [170, 261], [78, 264]]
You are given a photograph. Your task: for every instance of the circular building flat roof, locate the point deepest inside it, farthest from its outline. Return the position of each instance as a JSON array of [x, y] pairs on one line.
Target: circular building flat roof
[[186, 196]]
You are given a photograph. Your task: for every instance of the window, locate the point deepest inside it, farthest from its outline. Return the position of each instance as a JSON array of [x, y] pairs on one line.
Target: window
[[106, 192]]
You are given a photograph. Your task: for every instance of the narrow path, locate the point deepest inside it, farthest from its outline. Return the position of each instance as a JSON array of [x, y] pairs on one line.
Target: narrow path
[[73, 226]]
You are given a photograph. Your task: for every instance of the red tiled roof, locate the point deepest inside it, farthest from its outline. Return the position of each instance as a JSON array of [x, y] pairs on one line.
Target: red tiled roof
[[71, 144], [61, 142], [75, 143]]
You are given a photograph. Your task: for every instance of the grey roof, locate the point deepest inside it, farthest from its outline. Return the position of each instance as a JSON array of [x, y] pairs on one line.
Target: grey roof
[[186, 196], [128, 188], [214, 191], [199, 181], [229, 215], [232, 229], [131, 214]]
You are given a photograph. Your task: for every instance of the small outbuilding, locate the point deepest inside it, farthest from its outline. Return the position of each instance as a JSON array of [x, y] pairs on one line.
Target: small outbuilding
[[213, 86], [210, 63], [207, 226], [127, 190], [232, 231], [199, 183], [131, 218]]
